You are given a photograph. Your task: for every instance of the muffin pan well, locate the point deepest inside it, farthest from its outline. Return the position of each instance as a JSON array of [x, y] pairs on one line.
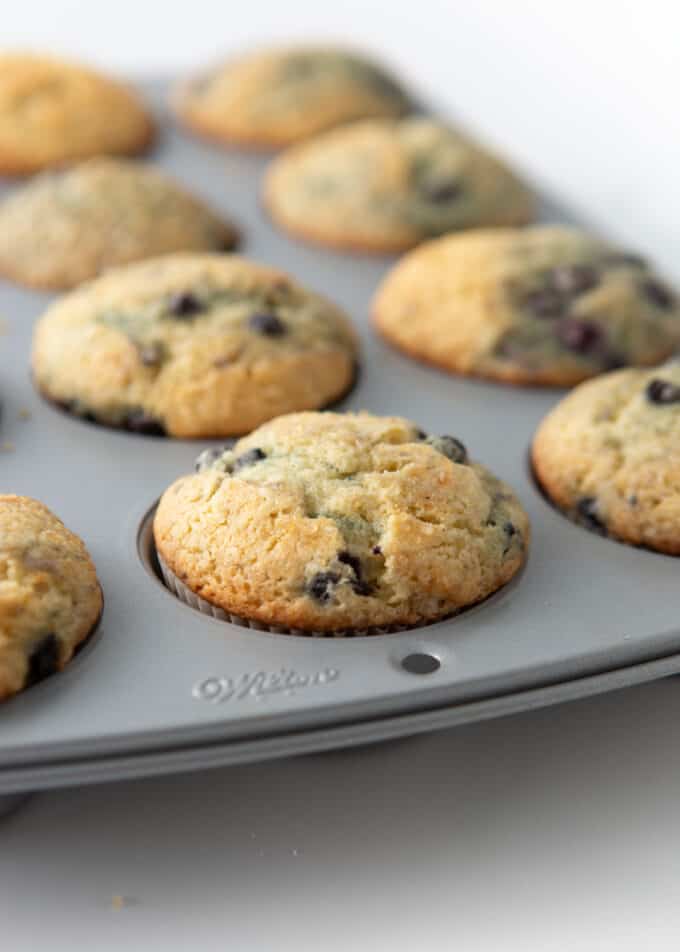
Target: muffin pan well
[[155, 566], [163, 687]]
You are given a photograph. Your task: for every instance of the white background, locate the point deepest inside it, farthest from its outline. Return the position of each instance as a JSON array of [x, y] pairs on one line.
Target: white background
[[547, 831]]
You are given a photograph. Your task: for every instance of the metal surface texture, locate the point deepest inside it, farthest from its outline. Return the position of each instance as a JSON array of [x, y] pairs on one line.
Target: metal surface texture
[[161, 687]]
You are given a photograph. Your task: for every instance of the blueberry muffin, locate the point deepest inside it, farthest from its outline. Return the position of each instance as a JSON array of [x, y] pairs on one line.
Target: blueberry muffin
[[52, 112], [50, 599], [323, 522], [543, 305], [65, 227], [385, 185], [192, 346], [277, 97], [608, 456]]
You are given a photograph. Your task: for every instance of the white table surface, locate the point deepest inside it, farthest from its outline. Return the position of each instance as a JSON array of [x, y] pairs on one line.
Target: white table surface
[[554, 830]]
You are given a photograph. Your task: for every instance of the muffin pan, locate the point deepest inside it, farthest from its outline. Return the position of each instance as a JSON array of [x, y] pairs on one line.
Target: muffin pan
[[161, 687]]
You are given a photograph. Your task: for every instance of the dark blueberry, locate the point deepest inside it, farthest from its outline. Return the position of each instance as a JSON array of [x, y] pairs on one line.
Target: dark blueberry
[[249, 458], [359, 585], [227, 242], [614, 362], [510, 531], [450, 447], [658, 294], [184, 304], [625, 259], [580, 336], [377, 550], [588, 515], [509, 345], [348, 559], [209, 457], [420, 434], [574, 278], [139, 422], [76, 408], [633, 500], [43, 660], [440, 193], [151, 355], [320, 585], [662, 391], [268, 324], [546, 302]]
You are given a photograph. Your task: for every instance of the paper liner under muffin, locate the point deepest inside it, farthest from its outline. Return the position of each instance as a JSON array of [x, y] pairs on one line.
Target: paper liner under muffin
[[190, 598]]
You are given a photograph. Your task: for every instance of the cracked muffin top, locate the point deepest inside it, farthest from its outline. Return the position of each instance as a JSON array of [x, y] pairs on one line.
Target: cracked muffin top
[[53, 112], [385, 185], [331, 522], [63, 228], [50, 599], [193, 345], [608, 455], [545, 305], [277, 97]]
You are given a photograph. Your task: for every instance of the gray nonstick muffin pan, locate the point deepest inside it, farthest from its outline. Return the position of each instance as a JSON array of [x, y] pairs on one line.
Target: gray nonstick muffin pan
[[162, 688]]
